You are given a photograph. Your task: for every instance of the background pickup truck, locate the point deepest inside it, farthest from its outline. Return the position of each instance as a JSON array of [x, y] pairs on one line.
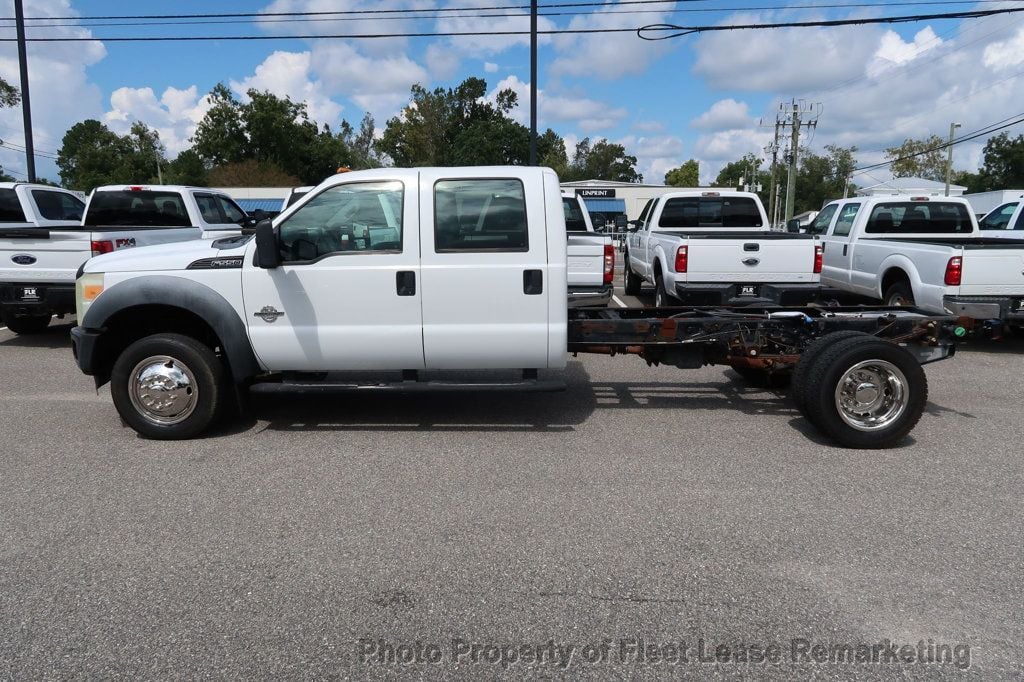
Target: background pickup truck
[[38, 265], [715, 247], [591, 257], [27, 205], [922, 251], [1004, 222]]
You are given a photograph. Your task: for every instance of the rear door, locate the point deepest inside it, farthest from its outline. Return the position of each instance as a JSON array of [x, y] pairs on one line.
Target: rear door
[[837, 256], [485, 270]]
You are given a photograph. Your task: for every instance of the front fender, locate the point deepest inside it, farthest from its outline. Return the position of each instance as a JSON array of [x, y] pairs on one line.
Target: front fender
[[186, 294]]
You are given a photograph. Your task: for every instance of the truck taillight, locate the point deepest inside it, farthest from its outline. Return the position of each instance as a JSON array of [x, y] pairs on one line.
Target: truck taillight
[[819, 256], [682, 259], [609, 263], [101, 247], [954, 271]]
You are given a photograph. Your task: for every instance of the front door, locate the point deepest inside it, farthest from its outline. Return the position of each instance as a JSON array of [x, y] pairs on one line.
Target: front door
[[485, 271], [347, 296], [837, 257]]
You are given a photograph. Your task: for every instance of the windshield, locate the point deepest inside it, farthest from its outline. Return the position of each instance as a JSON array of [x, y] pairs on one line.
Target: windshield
[[574, 220], [919, 217], [710, 212], [144, 207], [999, 219]]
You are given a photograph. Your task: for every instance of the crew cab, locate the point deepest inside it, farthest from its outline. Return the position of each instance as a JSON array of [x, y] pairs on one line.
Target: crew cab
[[38, 265], [1004, 222], [591, 257], [924, 251], [715, 247], [409, 274]]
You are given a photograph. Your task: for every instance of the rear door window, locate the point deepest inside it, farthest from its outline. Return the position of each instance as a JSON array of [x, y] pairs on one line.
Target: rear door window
[[710, 212], [480, 215], [574, 220], [919, 217], [845, 223], [10, 207], [58, 205]]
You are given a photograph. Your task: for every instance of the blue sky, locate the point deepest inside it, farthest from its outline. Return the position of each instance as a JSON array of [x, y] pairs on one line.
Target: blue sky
[[695, 97]]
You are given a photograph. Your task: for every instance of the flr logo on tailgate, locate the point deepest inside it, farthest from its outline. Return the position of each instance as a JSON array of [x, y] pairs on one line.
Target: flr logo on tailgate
[[124, 243]]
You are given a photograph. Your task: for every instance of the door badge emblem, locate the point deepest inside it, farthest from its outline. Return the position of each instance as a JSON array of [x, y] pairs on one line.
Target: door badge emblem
[[269, 314]]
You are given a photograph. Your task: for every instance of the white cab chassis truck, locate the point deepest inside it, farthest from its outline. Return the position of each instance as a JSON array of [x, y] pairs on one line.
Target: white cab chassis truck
[[401, 271], [715, 247], [921, 251]]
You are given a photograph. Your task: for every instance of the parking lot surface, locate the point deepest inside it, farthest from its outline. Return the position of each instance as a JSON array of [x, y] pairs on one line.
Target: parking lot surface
[[642, 503]]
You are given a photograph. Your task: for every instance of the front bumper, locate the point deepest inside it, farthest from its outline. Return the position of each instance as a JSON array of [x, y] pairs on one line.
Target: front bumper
[[84, 343], [1005, 308], [590, 297], [705, 293], [49, 299]]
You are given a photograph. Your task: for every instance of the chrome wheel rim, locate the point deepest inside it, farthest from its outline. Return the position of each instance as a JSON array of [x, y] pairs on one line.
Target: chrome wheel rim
[[872, 395], [163, 390], [899, 301], [659, 296]]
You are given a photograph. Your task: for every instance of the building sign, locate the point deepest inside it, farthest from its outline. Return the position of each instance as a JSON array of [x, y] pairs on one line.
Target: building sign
[[596, 193]]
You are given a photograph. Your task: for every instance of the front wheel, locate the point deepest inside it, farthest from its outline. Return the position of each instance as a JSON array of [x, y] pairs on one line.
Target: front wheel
[[169, 386], [30, 324], [865, 393]]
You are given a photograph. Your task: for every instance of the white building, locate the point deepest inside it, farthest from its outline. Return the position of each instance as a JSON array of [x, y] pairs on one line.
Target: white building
[[920, 186], [611, 197]]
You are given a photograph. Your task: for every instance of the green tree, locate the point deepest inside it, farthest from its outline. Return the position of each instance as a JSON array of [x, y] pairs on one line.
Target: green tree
[[187, 169], [551, 152], [747, 171], [919, 159], [822, 178], [251, 173], [602, 160], [1003, 162], [362, 152], [92, 155], [687, 175], [9, 95], [220, 136]]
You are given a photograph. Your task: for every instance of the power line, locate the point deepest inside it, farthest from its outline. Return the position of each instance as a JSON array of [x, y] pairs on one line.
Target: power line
[[474, 13], [677, 31], [682, 31]]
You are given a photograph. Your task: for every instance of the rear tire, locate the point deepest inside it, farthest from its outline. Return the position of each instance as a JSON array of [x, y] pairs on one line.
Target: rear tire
[[809, 356], [662, 299], [899, 294], [631, 282], [866, 393], [169, 387], [34, 324]]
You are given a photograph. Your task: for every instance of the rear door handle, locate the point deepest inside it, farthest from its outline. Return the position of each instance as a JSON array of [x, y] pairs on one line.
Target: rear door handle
[[405, 283], [533, 282], [844, 248]]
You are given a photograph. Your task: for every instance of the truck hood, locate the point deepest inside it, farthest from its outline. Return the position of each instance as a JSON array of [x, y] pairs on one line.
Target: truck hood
[[163, 257]]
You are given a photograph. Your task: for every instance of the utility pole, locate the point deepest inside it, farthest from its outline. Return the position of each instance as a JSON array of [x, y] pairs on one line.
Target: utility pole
[[533, 82], [800, 117], [26, 106], [773, 150], [949, 155]]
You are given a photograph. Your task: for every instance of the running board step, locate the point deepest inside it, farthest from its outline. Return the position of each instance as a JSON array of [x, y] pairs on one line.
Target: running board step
[[321, 387]]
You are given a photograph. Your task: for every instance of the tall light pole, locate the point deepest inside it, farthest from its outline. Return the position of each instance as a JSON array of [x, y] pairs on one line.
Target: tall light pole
[[26, 106], [949, 155], [533, 82]]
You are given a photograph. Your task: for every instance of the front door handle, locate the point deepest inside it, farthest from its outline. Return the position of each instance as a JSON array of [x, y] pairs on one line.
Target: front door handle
[[533, 282], [405, 283]]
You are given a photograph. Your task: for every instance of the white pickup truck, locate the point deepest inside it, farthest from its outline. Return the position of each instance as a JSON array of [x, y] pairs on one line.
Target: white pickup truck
[[404, 271], [38, 265], [715, 248], [1004, 222], [591, 257], [923, 251], [27, 205]]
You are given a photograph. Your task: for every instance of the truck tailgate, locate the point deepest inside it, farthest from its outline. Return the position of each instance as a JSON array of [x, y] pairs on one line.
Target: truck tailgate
[[751, 259], [993, 271], [586, 258], [41, 255]]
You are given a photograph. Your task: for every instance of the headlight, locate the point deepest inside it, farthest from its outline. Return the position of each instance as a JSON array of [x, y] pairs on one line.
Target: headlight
[[87, 288]]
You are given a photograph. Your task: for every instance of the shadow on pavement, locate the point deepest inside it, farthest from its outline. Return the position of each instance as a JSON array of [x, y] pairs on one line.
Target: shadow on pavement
[[57, 335]]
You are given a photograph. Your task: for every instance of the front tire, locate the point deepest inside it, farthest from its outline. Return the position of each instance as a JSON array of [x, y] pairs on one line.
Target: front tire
[[169, 387], [866, 393], [33, 324]]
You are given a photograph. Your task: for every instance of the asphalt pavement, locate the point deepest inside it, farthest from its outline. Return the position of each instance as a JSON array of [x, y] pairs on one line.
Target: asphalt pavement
[[642, 516]]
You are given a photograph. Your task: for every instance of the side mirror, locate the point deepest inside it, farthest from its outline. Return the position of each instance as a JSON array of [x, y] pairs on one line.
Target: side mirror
[[620, 222], [268, 254], [793, 226]]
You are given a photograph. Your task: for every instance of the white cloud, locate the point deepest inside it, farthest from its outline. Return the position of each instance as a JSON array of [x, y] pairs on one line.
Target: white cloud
[[725, 114], [1003, 54], [588, 115], [59, 86], [289, 74], [175, 115], [379, 85], [649, 126], [606, 55], [490, 67], [485, 45], [715, 150], [442, 62], [894, 51]]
